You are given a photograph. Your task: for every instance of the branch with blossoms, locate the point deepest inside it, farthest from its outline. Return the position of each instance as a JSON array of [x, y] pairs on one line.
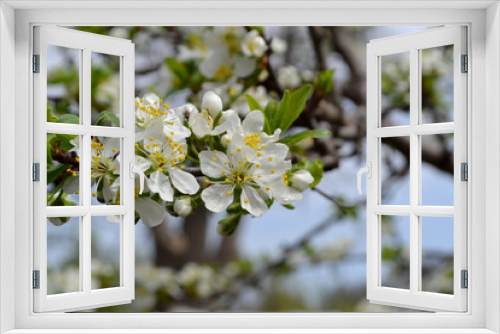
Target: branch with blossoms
[[244, 164]]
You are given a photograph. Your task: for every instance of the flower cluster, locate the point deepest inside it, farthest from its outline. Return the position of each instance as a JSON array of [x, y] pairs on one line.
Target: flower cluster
[[236, 159], [237, 164]]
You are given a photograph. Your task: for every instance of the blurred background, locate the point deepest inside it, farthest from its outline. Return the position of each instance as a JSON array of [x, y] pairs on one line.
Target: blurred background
[[312, 258]]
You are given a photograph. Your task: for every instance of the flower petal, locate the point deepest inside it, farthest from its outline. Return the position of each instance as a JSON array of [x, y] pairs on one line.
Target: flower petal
[[185, 182], [71, 184], [199, 126], [216, 198], [252, 202], [142, 163], [212, 168], [150, 212], [160, 183], [254, 122]]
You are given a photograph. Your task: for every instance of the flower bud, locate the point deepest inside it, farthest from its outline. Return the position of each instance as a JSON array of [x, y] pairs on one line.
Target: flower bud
[[224, 140], [182, 206], [212, 102], [301, 180], [227, 226]]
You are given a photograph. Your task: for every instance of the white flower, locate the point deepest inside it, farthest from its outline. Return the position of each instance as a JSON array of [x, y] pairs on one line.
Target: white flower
[[249, 165], [288, 77], [253, 44], [251, 131], [203, 123], [212, 102], [278, 45], [151, 108], [182, 206], [164, 153], [307, 75], [220, 65], [301, 180], [105, 167]]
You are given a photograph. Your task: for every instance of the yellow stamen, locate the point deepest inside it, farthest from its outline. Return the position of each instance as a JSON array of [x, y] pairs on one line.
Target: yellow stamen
[[246, 201], [207, 181]]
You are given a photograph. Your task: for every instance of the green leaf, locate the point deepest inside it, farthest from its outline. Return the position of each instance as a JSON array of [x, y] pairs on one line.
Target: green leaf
[[324, 82], [292, 105], [228, 225], [69, 119], [107, 116], [252, 103], [288, 206], [316, 170], [282, 111], [270, 113], [50, 116], [295, 138], [177, 68], [57, 171]]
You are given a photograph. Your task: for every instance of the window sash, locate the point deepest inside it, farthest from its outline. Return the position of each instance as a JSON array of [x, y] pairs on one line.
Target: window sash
[[86, 43], [413, 298]]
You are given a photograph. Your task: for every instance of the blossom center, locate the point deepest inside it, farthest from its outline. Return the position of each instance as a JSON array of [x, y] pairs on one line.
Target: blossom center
[[224, 72], [254, 141]]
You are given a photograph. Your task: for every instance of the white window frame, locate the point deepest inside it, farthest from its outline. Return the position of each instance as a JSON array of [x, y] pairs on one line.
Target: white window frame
[[483, 20], [412, 44], [85, 44]]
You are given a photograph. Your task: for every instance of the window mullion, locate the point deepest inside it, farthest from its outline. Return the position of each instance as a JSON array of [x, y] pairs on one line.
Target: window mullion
[[85, 236], [414, 170]]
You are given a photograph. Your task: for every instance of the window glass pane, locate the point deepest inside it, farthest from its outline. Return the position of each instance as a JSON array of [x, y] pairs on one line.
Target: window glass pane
[[437, 254], [437, 84], [63, 85], [437, 170], [105, 89], [63, 254], [105, 252], [105, 171], [395, 89], [395, 251], [394, 167], [63, 170]]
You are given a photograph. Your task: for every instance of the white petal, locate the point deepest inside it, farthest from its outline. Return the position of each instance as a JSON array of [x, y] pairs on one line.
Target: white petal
[[185, 182], [71, 184], [254, 122], [150, 212], [199, 126], [276, 151], [216, 198], [288, 196], [110, 144], [212, 102], [212, 168], [142, 163], [243, 66], [252, 202], [159, 183], [271, 139]]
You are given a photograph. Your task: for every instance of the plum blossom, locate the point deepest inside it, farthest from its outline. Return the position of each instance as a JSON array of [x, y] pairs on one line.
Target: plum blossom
[[164, 153], [301, 180], [151, 108], [225, 60], [254, 164], [253, 45], [288, 77], [105, 167], [206, 122], [278, 45]]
